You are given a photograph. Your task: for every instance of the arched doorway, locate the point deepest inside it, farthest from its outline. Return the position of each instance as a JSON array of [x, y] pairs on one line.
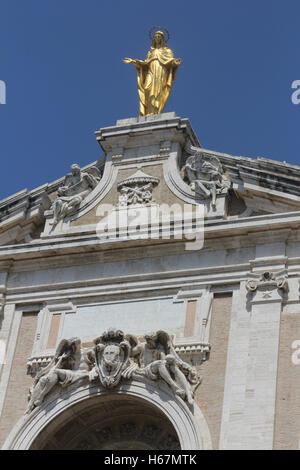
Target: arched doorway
[[111, 422], [138, 415]]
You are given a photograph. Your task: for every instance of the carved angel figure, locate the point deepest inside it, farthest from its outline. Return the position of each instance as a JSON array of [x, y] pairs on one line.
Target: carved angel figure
[[156, 358], [77, 185], [67, 366], [205, 174]]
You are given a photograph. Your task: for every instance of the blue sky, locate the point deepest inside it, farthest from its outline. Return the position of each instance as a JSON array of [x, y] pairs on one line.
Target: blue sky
[[62, 64]]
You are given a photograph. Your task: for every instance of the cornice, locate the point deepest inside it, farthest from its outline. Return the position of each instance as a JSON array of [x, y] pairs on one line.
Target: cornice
[[85, 240], [128, 132]]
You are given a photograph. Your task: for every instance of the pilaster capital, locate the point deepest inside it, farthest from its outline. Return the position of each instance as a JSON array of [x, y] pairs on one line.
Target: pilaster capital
[[268, 286]]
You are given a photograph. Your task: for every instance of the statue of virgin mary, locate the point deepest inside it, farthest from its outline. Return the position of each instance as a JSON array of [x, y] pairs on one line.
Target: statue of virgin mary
[[155, 75]]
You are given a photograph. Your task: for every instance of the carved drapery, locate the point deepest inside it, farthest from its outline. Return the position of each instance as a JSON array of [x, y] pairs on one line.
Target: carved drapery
[[76, 187], [116, 357], [205, 174]]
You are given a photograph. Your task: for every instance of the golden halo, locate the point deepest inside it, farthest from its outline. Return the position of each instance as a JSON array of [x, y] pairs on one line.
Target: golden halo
[[159, 28]]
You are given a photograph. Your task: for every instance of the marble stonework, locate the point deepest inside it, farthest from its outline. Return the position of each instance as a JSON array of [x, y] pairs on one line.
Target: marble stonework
[[230, 305]]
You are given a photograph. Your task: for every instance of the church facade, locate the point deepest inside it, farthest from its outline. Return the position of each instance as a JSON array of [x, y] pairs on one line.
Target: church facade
[[151, 299]]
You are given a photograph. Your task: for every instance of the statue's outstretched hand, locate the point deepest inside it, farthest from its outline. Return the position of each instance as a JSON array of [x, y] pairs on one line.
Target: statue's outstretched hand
[[135, 62]]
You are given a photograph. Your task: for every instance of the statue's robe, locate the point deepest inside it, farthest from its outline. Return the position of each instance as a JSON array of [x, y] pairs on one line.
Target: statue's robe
[[155, 77]]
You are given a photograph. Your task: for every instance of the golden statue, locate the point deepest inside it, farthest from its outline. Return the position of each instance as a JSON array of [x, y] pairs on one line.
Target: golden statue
[[155, 75]]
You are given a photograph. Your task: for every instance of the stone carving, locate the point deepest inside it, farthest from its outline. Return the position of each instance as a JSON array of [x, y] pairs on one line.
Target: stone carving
[[135, 432], [267, 282], [157, 359], [128, 429], [77, 185], [193, 351], [137, 189], [205, 174], [150, 431], [110, 357], [67, 366], [104, 434], [116, 357], [171, 442], [84, 445]]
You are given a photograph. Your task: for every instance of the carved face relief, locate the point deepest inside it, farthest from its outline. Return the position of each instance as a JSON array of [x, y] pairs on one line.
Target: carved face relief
[[112, 356]]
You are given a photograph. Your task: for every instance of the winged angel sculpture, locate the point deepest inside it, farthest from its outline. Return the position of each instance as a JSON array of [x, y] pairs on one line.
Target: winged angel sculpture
[[77, 185], [156, 358], [205, 174], [68, 365], [116, 357]]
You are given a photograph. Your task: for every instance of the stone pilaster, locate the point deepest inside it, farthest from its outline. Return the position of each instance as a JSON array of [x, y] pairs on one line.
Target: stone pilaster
[[262, 364], [251, 374]]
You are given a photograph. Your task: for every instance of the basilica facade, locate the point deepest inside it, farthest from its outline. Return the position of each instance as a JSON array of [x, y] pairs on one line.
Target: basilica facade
[[150, 300]]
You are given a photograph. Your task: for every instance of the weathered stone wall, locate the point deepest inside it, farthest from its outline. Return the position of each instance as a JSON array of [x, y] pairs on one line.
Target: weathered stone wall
[[210, 393], [19, 382], [287, 420]]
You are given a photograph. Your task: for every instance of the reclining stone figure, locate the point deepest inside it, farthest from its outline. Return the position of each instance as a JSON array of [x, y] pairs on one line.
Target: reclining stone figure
[[157, 359], [67, 366], [205, 174], [77, 185]]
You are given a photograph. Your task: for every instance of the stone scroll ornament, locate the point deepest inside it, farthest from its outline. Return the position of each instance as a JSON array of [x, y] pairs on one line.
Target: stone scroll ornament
[[205, 174], [77, 185], [113, 359], [267, 281]]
